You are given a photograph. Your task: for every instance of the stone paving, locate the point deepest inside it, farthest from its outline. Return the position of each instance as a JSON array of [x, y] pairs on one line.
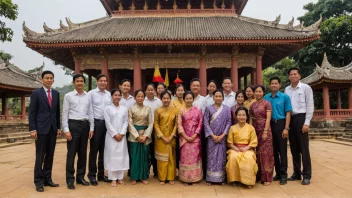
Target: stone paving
[[332, 177]]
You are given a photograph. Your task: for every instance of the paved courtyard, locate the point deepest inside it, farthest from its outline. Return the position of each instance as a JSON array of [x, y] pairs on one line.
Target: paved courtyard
[[332, 177]]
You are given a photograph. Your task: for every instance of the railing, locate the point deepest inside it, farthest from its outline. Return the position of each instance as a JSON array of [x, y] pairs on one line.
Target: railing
[[10, 117], [334, 113]]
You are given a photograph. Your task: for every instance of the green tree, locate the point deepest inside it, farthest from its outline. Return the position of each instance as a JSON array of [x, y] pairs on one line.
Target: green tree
[[336, 34], [8, 10], [5, 56], [280, 70]]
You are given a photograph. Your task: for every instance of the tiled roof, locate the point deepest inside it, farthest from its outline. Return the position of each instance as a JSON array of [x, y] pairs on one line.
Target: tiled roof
[[328, 72], [11, 75], [172, 28]]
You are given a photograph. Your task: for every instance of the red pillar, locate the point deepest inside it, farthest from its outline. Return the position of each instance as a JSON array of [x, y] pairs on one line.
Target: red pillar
[[137, 71], [203, 72], [234, 68], [350, 97], [339, 99], [90, 82], [77, 66], [259, 70], [23, 107], [326, 101], [253, 76]]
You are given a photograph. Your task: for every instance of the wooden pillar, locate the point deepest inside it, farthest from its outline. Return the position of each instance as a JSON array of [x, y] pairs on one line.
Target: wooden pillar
[[253, 76], [338, 99], [23, 107], [326, 101], [77, 62], [137, 71], [4, 104], [259, 68], [350, 97], [90, 81], [234, 68], [203, 71]]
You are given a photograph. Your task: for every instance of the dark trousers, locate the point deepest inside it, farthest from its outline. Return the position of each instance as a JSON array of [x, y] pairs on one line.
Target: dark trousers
[[44, 157], [280, 147], [97, 145], [152, 156], [78, 145], [299, 144]]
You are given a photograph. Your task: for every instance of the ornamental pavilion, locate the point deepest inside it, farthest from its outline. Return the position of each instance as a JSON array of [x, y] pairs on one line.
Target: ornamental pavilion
[[208, 39], [326, 79], [15, 82]]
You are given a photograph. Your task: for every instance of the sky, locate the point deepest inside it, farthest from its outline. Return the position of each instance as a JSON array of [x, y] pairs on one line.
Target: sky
[[36, 12]]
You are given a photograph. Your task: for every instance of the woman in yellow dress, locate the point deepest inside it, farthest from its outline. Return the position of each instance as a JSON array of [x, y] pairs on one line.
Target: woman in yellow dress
[[241, 160], [250, 96], [165, 122], [178, 102]]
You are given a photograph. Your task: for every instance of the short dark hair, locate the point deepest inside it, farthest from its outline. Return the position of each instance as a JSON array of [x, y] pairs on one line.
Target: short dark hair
[[212, 81], [165, 92], [195, 80], [180, 85], [243, 109], [78, 76], [241, 92], [249, 86], [162, 84], [101, 76], [137, 91], [292, 69], [226, 78], [260, 86], [47, 72], [219, 90], [150, 84], [186, 93], [125, 80], [115, 90], [275, 78]]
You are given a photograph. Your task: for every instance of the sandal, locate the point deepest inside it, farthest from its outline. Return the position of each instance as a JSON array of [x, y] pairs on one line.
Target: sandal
[[134, 182], [162, 183], [121, 182], [145, 182]]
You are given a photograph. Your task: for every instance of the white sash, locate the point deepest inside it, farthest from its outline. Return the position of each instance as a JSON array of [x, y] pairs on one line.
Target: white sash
[[216, 114]]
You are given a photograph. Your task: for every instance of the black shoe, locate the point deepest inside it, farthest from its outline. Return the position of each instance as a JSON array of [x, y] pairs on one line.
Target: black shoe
[[276, 178], [39, 188], [294, 177], [93, 182], [83, 182], [306, 182], [283, 181], [51, 184], [71, 186], [104, 179]]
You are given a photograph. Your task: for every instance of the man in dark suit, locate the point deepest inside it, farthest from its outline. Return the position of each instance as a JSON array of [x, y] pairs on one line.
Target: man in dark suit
[[44, 126]]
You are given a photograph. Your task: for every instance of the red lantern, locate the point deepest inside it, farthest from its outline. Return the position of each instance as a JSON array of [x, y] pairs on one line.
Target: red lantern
[[178, 80]]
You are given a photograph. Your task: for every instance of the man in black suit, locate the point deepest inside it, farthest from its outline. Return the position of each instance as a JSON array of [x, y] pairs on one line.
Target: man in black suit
[[44, 126]]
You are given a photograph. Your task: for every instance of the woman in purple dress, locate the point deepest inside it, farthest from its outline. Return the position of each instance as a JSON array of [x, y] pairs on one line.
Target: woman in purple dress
[[217, 121], [260, 113], [240, 98]]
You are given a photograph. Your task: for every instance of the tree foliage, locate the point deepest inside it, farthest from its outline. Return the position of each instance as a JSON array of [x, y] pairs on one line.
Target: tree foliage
[[280, 70], [5, 56], [8, 10]]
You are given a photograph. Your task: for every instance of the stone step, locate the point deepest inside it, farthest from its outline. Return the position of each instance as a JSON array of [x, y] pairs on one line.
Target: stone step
[[14, 139], [14, 134], [344, 139], [338, 129], [14, 130], [347, 136]]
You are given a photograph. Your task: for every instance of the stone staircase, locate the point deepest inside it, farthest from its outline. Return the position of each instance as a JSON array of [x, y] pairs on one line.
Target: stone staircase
[[340, 130], [347, 136], [14, 134], [326, 133]]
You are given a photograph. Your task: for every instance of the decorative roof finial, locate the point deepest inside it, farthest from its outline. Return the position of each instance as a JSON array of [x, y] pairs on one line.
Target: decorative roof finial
[[290, 23], [175, 5], [62, 26], [145, 5], [277, 20], [132, 6], [189, 5], [202, 5], [28, 32], [47, 29], [120, 6], [223, 5], [158, 6]]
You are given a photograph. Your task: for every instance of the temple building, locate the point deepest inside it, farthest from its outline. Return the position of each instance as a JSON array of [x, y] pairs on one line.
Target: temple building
[[208, 39], [326, 79], [15, 82]]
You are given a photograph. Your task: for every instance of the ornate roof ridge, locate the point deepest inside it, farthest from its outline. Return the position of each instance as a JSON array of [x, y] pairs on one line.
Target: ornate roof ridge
[[289, 26], [30, 34], [17, 70]]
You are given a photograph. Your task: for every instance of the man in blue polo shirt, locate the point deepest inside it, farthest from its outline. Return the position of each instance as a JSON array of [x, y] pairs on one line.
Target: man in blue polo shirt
[[280, 122]]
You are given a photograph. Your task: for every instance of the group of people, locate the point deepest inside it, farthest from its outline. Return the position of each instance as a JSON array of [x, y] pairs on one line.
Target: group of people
[[223, 137]]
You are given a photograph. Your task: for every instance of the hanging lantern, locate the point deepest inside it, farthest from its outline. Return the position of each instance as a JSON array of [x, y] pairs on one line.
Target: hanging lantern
[[178, 80], [157, 76]]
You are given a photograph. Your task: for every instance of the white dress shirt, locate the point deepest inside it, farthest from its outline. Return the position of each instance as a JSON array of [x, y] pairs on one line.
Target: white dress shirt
[[46, 92], [100, 100], [127, 102], [230, 100], [200, 102], [302, 100], [209, 100], [77, 107], [153, 104]]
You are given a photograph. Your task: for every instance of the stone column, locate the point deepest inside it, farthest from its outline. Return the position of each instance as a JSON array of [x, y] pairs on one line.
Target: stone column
[[23, 107], [234, 68], [203, 71], [137, 71], [253, 76], [259, 68], [77, 68], [326, 101], [90, 81], [350, 97], [338, 99]]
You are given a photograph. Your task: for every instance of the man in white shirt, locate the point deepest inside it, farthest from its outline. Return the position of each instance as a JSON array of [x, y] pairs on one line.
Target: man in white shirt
[[229, 95], [302, 101], [78, 125], [127, 100], [199, 101], [101, 98]]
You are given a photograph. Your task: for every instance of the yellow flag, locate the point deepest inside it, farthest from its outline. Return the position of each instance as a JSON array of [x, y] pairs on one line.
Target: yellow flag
[[166, 79]]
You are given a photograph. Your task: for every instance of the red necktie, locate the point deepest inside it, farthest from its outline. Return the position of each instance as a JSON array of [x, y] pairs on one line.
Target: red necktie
[[49, 97]]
